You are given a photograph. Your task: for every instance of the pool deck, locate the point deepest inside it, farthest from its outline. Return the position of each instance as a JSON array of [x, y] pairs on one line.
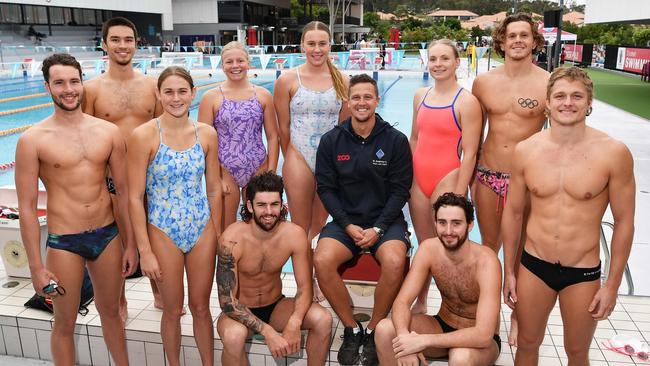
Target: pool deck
[[26, 332]]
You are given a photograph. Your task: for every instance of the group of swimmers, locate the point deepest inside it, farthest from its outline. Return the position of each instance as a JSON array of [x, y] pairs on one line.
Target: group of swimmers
[[541, 194]]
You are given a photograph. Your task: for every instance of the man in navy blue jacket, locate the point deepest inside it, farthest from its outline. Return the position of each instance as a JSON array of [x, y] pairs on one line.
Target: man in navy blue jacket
[[364, 172]]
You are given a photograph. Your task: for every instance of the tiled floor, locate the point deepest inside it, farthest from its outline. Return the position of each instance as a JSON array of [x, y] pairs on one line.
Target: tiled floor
[[25, 332]]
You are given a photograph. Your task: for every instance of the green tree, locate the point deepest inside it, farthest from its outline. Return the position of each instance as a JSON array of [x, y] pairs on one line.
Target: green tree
[[401, 11], [411, 23], [476, 32], [370, 19], [296, 9], [642, 37], [453, 23]]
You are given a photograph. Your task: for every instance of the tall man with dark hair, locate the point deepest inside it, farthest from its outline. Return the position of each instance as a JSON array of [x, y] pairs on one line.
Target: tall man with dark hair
[[363, 173], [468, 275], [122, 96], [512, 97], [251, 255], [571, 173], [81, 225]]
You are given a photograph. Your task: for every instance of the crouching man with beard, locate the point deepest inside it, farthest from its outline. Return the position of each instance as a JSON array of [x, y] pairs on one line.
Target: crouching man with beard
[[251, 255], [466, 328]]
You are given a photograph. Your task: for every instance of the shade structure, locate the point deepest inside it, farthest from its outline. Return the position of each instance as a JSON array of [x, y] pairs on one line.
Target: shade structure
[[550, 34]]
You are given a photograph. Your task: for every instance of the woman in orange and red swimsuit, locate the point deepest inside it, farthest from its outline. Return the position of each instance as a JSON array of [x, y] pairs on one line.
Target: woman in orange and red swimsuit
[[444, 140]]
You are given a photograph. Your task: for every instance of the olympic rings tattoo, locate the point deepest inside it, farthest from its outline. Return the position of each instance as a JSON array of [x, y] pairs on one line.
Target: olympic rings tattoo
[[528, 103]]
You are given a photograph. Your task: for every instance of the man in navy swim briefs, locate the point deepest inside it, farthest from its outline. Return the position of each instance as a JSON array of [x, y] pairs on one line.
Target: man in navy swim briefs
[[82, 228]]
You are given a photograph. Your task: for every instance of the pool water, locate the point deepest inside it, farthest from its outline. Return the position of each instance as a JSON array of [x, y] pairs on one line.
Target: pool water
[[395, 107]]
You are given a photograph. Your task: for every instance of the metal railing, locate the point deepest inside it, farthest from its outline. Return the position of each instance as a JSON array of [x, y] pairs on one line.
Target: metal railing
[[605, 246]]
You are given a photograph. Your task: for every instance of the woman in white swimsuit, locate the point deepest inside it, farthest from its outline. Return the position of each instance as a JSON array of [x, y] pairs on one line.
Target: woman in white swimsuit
[[309, 100]]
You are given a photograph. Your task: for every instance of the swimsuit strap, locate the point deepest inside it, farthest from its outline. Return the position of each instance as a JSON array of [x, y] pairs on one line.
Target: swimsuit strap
[[196, 131], [222, 94], [456, 97], [254, 91], [425, 96], [298, 73], [160, 135], [453, 110]]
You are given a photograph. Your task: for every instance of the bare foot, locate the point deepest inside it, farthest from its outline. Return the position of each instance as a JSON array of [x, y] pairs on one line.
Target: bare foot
[[318, 294], [512, 336], [420, 307]]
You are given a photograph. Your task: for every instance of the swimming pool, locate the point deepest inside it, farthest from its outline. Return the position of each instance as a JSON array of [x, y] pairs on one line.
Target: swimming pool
[[396, 91], [395, 106]]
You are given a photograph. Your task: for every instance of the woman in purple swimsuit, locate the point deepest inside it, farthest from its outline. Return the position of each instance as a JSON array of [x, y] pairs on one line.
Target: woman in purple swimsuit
[[238, 109]]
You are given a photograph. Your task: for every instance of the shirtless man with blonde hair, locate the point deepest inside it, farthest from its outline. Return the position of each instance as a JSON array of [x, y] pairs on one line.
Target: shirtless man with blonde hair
[[251, 255], [512, 97], [80, 221], [571, 173], [122, 96]]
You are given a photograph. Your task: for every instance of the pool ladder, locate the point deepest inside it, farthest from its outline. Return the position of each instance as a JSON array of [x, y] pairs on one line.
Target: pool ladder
[[605, 246]]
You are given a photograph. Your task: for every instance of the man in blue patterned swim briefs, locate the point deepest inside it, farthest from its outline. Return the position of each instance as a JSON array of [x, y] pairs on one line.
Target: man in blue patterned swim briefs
[[82, 227]]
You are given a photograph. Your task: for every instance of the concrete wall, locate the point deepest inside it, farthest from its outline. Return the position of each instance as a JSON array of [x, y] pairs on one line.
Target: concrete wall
[[625, 11], [195, 11]]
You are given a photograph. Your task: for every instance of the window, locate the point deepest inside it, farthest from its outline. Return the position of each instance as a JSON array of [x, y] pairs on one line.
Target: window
[[106, 15], [84, 16], [35, 14], [10, 13], [56, 16]]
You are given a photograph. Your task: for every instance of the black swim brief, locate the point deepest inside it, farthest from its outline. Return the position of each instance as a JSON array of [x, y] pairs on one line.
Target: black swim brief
[[110, 185], [263, 313], [555, 275], [446, 328], [89, 244]]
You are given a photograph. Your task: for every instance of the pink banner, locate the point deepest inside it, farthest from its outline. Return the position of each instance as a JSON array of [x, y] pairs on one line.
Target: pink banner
[[635, 58], [573, 52]]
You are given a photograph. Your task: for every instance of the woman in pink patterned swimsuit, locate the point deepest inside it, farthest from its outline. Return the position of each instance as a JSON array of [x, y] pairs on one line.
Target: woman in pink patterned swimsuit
[[238, 110]]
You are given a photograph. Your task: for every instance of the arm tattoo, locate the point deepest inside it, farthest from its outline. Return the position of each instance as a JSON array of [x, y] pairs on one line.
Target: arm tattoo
[[227, 286]]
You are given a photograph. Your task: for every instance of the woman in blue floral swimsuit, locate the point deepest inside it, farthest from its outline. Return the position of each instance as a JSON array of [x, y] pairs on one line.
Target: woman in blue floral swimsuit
[[168, 158]]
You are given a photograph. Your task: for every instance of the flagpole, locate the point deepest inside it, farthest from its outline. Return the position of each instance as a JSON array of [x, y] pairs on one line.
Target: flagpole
[[558, 40]]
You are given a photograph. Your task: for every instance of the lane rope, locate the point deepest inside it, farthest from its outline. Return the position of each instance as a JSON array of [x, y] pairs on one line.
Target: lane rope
[[12, 131], [22, 97]]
